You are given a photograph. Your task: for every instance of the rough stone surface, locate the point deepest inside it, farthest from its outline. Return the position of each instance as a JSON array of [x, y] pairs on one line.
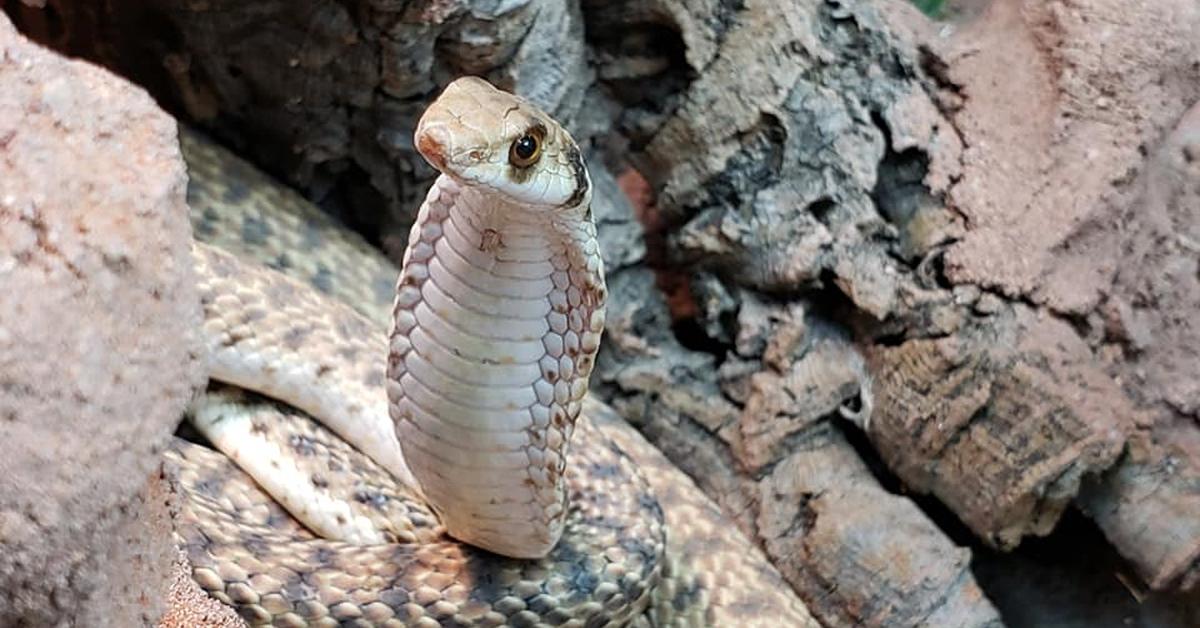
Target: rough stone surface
[[1060, 102], [1058, 105], [98, 351], [1150, 505], [189, 606]]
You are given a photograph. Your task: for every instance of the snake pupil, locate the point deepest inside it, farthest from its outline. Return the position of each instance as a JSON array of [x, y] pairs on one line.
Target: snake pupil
[[524, 150]]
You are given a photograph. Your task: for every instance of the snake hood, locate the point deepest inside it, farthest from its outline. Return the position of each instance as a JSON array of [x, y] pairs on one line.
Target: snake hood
[[481, 136], [498, 316]]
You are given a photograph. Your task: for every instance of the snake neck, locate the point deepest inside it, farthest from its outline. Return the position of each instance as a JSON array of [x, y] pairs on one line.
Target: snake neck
[[498, 316]]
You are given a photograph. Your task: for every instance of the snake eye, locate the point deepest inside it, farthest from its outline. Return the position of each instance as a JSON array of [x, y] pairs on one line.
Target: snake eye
[[525, 151]]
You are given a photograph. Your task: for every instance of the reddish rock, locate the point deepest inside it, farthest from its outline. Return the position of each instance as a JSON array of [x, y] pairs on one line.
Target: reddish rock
[[98, 346]]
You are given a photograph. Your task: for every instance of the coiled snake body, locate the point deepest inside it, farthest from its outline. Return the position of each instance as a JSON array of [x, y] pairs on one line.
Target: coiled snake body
[[496, 318]]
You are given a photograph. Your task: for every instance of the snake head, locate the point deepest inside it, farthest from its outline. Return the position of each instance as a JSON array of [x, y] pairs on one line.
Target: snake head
[[482, 136]]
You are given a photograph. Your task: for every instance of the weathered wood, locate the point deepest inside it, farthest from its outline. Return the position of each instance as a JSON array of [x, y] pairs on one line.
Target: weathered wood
[[999, 421], [1147, 506], [756, 433], [874, 556], [811, 170]]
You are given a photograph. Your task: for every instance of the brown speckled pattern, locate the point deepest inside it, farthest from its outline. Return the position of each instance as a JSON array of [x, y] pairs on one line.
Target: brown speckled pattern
[[247, 551], [240, 209]]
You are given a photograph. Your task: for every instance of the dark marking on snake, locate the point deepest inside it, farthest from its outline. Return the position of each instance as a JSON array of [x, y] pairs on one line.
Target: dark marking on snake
[[233, 338], [196, 196], [542, 604], [686, 596], [282, 262], [255, 230], [277, 518], [210, 487], [320, 482], [302, 445], [489, 241], [312, 236], [236, 190], [395, 598], [375, 499], [256, 544], [383, 289], [299, 591], [522, 621], [584, 581], [581, 180], [253, 314], [323, 279], [605, 470], [199, 549], [636, 589], [294, 337], [205, 227]]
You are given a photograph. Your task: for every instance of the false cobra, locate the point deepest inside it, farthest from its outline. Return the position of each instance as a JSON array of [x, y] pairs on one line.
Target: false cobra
[[435, 486]]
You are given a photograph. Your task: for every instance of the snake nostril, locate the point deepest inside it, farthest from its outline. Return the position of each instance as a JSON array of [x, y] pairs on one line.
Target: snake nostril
[[432, 143]]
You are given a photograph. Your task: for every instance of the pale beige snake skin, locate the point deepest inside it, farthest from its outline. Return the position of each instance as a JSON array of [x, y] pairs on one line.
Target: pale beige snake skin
[[640, 544]]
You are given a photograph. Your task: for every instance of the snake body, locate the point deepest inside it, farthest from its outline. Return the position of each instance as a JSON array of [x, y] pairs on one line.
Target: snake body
[[497, 315]]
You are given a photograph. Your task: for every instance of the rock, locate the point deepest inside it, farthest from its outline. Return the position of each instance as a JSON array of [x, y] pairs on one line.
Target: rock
[[1149, 506], [189, 606], [1059, 101], [98, 346]]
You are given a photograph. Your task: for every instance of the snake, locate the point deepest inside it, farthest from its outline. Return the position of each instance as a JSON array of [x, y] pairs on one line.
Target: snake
[[423, 450]]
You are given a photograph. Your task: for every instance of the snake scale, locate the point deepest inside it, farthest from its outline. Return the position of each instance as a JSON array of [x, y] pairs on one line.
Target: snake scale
[[495, 319]]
